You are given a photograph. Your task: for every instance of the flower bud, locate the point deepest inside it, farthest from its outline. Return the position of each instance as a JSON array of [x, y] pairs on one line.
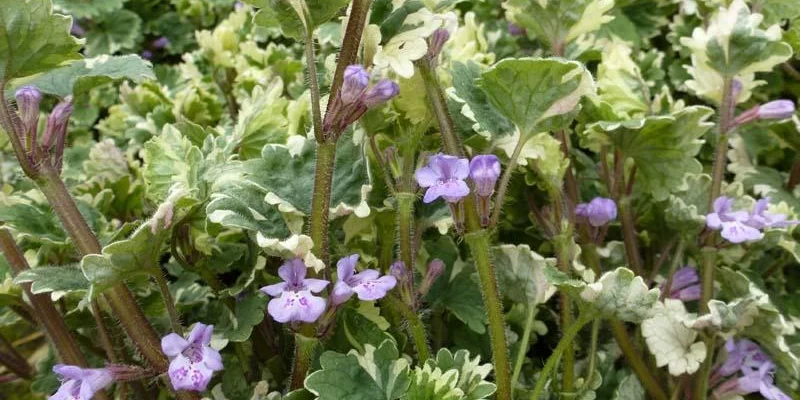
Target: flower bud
[[160, 43], [382, 92], [57, 123], [28, 99], [399, 271], [736, 88], [435, 269], [77, 30], [515, 30], [598, 212], [356, 79], [484, 171], [777, 109], [437, 41]]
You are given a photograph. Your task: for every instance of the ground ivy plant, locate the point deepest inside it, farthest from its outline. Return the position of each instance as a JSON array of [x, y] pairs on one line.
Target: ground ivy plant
[[399, 199]]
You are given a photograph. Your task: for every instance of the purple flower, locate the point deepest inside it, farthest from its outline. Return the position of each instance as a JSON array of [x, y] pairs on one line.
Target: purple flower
[[516, 30], [760, 219], [77, 30], [484, 171], [380, 93], [599, 211], [296, 301], [756, 368], [685, 285], [147, 54], [160, 43], [732, 223], [28, 99], [777, 109], [192, 360], [80, 383], [367, 284], [444, 177], [435, 270], [356, 80]]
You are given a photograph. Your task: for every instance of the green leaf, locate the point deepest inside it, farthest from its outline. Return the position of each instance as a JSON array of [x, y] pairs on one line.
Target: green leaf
[[63, 279], [170, 159], [88, 8], [355, 331], [489, 119], [81, 76], [688, 205], [318, 12], [261, 120], [559, 21], [120, 30], [377, 373], [431, 383], [471, 374], [537, 94], [249, 313], [520, 274], [620, 82], [33, 39], [629, 389], [663, 147], [671, 342]]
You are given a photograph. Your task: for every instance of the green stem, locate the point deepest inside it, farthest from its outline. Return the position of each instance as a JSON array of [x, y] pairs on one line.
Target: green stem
[[452, 145], [415, 328], [478, 242], [120, 298], [311, 71], [629, 234], [592, 352], [174, 317], [523, 344], [637, 364], [320, 203], [102, 333], [506, 178], [405, 224], [566, 341], [304, 348], [15, 362], [351, 42]]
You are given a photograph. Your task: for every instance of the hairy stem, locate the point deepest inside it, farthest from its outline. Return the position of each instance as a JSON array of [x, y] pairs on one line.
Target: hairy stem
[[102, 333], [405, 224], [304, 349], [320, 203], [436, 99], [169, 302], [629, 235], [563, 344], [592, 352], [506, 178], [351, 42], [523, 344], [13, 361], [638, 365], [478, 242], [416, 328], [311, 71]]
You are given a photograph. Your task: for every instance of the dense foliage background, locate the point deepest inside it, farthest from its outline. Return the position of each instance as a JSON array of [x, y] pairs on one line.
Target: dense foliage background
[[192, 152]]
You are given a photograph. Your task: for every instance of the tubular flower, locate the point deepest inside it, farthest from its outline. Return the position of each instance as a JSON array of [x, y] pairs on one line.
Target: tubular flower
[[444, 177], [192, 360], [295, 300], [367, 284]]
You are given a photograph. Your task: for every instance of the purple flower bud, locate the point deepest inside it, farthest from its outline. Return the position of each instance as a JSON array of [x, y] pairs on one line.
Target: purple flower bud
[[484, 171], [399, 271], [435, 269], [736, 88], [147, 54], [192, 360], [160, 43], [356, 80], [516, 30], [437, 41], [777, 109], [80, 383], [77, 30], [57, 123], [382, 92], [28, 99], [685, 285], [599, 211]]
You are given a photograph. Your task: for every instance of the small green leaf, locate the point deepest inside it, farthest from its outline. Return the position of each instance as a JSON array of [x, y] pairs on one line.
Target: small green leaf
[[431, 383], [249, 313], [489, 119], [671, 342], [622, 294], [121, 30], [63, 279], [520, 274], [471, 373], [81, 76], [33, 39], [88, 8], [537, 94], [170, 159], [377, 373], [293, 23], [629, 389]]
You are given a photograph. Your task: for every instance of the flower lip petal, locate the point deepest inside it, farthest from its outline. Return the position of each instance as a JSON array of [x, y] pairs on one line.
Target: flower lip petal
[[173, 344], [427, 177], [315, 285], [274, 290]]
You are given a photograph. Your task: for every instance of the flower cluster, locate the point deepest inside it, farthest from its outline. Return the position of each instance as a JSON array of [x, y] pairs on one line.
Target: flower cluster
[[355, 98], [445, 176], [294, 297], [192, 360], [756, 368], [597, 212], [741, 226]]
